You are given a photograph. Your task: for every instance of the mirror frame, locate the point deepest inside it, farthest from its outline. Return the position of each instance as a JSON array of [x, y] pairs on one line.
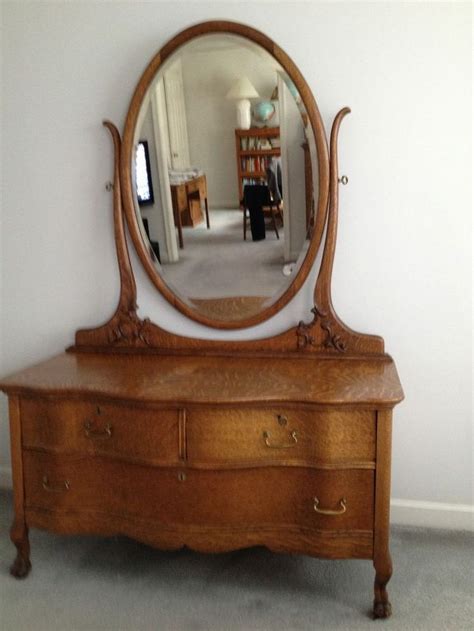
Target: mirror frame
[[126, 161]]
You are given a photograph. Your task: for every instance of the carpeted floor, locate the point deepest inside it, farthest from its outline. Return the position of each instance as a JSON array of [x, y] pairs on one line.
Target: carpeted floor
[[90, 583], [218, 262]]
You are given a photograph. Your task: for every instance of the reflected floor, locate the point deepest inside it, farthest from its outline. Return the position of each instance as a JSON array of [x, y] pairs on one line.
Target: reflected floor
[[218, 262]]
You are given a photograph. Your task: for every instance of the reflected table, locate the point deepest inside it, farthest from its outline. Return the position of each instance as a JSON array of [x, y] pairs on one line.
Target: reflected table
[[188, 198]]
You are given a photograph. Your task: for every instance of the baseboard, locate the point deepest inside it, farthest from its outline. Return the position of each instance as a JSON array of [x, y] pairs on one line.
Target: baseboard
[[432, 514], [402, 512], [5, 477]]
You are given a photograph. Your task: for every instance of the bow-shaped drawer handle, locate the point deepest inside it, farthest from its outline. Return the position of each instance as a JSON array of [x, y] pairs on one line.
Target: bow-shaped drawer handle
[[55, 488], [327, 511], [97, 434], [293, 436]]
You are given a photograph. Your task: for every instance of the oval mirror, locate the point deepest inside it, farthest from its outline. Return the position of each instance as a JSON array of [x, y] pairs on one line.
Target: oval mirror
[[225, 175]]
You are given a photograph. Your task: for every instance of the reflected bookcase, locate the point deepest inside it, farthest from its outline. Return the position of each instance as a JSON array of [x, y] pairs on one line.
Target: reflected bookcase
[[255, 147]]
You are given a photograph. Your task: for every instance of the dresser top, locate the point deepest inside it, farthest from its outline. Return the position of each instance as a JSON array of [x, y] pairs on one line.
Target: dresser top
[[197, 379]]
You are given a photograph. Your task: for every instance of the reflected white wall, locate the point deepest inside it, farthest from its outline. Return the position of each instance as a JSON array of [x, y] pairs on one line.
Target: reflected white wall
[[208, 76]]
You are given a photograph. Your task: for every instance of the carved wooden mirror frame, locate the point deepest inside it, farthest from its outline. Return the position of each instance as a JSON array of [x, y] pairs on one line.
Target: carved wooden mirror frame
[[314, 118], [324, 333]]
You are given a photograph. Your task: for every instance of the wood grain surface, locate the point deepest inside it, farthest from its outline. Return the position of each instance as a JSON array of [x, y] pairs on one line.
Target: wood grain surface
[[335, 439], [253, 497], [187, 379], [119, 431], [330, 544]]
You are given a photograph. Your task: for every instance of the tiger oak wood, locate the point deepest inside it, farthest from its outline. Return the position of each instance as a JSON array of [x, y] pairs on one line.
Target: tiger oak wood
[[64, 426], [205, 497], [287, 436], [282, 441], [336, 544], [213, 380]]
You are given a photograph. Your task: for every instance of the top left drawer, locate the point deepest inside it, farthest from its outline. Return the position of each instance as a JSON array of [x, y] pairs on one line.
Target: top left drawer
[[145, 435]]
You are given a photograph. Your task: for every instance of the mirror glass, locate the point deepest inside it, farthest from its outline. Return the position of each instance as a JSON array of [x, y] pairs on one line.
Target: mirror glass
[[225, 176]]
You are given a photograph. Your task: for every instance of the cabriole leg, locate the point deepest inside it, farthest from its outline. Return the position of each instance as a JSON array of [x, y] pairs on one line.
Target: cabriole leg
[[19, 530], [21, 566], [382, 559], [382, 606]]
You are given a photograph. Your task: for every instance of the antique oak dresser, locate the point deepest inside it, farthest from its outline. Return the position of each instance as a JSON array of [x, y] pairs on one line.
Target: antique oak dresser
[[213, 444]]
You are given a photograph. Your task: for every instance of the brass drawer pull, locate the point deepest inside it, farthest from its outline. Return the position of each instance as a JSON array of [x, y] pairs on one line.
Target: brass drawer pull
[[96, 434], [326, 511], [59, 488], [266, 436]]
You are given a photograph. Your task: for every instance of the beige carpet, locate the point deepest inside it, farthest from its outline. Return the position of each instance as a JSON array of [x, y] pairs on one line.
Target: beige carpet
[[92, 584], [218, 262]]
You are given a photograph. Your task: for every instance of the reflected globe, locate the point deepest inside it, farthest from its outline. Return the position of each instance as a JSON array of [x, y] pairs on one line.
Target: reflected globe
[[264, 111]]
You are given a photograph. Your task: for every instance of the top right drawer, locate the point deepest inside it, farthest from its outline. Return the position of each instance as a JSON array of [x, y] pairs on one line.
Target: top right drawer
[[289, 436]]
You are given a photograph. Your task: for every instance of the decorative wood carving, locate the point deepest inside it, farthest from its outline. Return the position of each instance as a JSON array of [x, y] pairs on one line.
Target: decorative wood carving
[[305, 338], [125, 329], [129, 330], [339, 336], [325, 334]]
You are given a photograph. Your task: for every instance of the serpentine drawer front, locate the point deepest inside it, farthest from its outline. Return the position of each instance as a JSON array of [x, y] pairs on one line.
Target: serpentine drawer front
[[149, 435], [203, 437], [331, 500], [290, 436]]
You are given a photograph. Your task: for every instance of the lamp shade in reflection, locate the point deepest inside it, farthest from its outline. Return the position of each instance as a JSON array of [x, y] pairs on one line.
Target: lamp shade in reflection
[[241, 92]]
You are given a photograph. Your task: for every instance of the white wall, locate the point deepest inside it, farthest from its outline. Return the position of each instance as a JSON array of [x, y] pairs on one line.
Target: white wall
[[402, 266]]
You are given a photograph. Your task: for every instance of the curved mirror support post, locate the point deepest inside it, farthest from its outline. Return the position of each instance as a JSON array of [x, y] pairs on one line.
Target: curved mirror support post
[[161, 240], [324, 333]]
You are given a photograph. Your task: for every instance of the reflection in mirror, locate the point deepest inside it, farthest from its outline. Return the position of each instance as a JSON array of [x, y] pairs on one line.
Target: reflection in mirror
[[143, 175], [225, 176]]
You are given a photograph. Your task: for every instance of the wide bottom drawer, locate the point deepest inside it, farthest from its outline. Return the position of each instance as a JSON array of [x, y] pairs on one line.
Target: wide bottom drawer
[[332, 500]]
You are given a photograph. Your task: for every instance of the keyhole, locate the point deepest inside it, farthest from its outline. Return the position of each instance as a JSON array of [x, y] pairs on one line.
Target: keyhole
[[282, 420]]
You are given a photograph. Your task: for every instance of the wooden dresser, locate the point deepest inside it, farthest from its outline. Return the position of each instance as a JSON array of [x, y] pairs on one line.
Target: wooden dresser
[[208, 453], [282, 441]]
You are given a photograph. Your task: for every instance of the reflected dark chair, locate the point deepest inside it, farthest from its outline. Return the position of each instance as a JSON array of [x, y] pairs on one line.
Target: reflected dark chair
[[256, 198]]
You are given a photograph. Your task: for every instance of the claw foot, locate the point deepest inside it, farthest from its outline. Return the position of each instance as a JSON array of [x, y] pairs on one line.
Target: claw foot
[[382, 610], [21, 567]]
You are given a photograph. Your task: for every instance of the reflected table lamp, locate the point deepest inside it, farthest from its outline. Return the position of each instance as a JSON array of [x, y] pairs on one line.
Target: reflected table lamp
[[242, 91]]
